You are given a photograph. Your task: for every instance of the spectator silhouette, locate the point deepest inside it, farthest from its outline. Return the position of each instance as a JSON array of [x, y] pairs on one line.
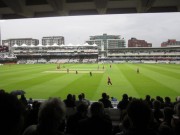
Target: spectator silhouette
[[30, 101], [23, 100], [50, 119], [130, 99], [175, 123], [85, 100], [106, 102], [80, 101], [97, 124], [165, 127], [73, 120], [177, 100], [168, 113], [2, 91], [167, 102], [74, 98], [11, 114], [32, 116], [165, 130], [69, 102], [148, 100], [160, 99], [157, 112], [139, 114], [123, 103]]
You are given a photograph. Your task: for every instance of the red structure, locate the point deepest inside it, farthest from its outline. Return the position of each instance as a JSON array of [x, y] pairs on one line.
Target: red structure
[[133, 42], [170, 42], [4, 48]]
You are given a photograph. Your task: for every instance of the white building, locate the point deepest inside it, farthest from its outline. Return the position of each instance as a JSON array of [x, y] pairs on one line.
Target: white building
[[51, 40]]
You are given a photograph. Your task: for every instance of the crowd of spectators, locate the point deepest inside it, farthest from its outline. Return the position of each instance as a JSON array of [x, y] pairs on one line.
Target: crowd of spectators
[[19, 116]]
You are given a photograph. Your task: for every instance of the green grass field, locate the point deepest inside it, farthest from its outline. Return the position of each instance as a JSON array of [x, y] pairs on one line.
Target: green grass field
[[41, 81]]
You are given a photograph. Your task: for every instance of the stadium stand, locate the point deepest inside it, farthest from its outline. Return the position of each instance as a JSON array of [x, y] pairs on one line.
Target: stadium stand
[[88, 54], [143, 55], [166, 116], [60, 54]]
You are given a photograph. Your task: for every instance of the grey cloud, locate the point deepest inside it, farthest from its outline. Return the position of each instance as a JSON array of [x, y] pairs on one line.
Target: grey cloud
[[155, 28]]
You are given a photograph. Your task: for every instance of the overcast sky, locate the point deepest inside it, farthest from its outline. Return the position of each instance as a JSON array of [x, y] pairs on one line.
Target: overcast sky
[[154, 28]]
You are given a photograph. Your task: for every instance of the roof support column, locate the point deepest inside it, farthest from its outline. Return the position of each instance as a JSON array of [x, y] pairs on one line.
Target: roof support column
[[59, 6], [178, 8], [101, 6], [19, 7], [144, 5]]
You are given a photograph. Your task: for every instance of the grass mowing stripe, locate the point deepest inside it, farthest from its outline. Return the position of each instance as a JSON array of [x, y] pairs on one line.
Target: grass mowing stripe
[[120, 84], [169, 67], [23, 75], [19, 68], [172, 66], [167, 80], [150, 85], [101, 87], [169, 72], [126, 86], [25, 84], [71, 85], [53, 87], [17, 75], [154, 81], [172, 84], [81, 83], [95, 82], [12, 73]]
